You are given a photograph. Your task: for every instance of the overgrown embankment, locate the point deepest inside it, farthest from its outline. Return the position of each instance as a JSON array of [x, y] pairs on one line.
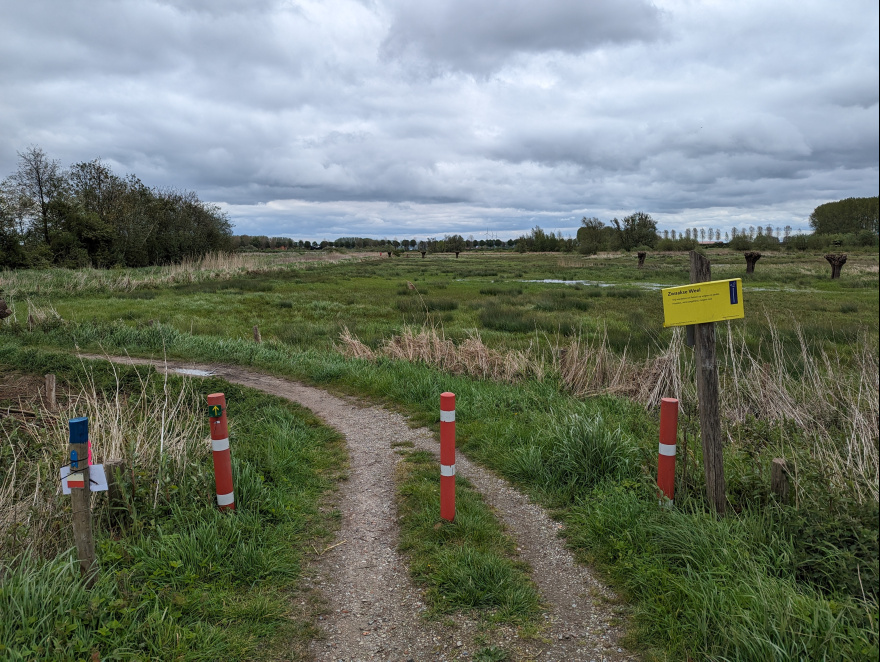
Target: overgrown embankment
[[178, 578]]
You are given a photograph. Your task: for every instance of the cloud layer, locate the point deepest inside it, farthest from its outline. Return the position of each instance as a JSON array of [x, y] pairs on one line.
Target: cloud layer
[[318, 119]]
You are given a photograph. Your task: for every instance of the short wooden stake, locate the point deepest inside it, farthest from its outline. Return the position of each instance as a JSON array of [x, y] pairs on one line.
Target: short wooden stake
[[115, 470], [257, 337], [779, 479], [50, 392], [707, 393], [81, 499], [30, 322]]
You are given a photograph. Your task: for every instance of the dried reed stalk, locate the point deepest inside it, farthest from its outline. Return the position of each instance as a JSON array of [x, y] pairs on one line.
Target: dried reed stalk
[[835, 403], [121, 426]]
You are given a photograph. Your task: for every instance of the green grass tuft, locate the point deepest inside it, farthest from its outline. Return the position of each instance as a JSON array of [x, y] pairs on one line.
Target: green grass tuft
[[466, 564]]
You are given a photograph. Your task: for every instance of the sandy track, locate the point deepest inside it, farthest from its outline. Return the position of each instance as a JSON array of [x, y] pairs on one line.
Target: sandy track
[[373, 608]]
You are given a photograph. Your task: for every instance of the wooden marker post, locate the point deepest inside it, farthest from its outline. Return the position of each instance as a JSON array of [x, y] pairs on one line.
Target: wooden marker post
[[81, 497], [779, 479], [707, 393], [50, 392], [447, 456], [220, 448], [115, 498]]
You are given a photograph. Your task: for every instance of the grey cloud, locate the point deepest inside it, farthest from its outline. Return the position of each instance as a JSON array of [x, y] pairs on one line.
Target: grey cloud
[[479, 36], [288, 114]]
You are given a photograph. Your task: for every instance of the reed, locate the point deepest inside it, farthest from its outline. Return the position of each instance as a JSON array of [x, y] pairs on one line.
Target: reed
[[156, 431], [31, 282]]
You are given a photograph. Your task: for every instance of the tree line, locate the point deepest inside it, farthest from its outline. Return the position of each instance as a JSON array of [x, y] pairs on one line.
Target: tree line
[[849, 225], [86, 215]]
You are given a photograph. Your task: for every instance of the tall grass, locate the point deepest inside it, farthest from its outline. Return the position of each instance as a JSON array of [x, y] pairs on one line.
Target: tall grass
[[832, 398], [156, 434], [179, 579], [33, 282], [429, 345]]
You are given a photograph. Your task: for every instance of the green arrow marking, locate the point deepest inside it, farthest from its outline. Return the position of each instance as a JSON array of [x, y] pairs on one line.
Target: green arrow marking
[[214, 411]]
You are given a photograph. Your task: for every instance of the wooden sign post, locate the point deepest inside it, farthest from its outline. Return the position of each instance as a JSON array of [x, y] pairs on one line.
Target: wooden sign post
[[701, 304], [707, 394]]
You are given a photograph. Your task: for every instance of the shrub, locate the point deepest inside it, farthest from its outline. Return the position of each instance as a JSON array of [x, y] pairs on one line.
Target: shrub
[[740, 243], [765, 242], [683, 244]]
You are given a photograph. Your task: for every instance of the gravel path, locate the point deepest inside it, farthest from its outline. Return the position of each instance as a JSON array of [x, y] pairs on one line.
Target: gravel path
[[374, 611]]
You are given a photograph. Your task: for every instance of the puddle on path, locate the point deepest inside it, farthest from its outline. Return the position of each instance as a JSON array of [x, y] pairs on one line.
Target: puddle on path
[[194, 372]]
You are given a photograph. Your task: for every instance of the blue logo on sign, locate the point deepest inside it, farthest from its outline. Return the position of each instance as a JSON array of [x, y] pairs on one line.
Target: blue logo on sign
[[734, 298]]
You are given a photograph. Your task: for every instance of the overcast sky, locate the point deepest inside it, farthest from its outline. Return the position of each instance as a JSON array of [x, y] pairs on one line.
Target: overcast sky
[[402, 118]]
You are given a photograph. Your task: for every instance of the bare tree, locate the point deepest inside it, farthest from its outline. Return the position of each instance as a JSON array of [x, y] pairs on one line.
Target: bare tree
[[38, 179]]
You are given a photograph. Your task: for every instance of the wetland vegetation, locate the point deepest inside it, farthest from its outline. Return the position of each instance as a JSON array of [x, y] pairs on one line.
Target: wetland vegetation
[[558, 361]]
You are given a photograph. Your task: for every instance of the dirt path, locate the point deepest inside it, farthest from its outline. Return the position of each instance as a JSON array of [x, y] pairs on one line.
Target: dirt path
[[374, 610]]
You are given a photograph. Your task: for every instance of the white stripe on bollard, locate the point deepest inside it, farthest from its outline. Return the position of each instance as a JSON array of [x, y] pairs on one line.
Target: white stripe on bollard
[[225, 499], [447, 416], [447, 469], [220, 444], [667, 449]]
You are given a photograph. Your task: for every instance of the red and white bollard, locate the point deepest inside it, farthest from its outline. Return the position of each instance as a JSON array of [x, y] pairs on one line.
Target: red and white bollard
[[666, 456], [220, 448], [447, 456]]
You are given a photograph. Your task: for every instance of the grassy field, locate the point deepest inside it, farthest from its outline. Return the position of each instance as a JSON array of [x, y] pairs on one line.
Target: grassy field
[[557, 386]]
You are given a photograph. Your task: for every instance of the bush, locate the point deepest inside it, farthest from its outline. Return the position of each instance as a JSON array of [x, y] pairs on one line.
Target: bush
[[683, 244], [740, 243], [798, 242], [765, 242]]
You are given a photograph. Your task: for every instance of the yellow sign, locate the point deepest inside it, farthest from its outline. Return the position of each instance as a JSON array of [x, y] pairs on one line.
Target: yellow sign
[[698, 303]]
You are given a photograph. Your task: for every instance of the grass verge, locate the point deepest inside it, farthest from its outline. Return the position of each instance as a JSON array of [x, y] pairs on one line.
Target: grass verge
[[466, 564], [179, 580]]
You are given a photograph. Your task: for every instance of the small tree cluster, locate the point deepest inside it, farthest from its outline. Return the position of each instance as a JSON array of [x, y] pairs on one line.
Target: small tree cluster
[[86, 215]]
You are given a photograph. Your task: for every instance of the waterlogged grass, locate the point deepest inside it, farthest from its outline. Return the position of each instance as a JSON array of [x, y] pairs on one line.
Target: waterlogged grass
[[465, 564], [502, 295], [179, 579]]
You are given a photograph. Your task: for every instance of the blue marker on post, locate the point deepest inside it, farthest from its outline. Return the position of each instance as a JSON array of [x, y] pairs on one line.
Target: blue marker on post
[[79, 434]]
